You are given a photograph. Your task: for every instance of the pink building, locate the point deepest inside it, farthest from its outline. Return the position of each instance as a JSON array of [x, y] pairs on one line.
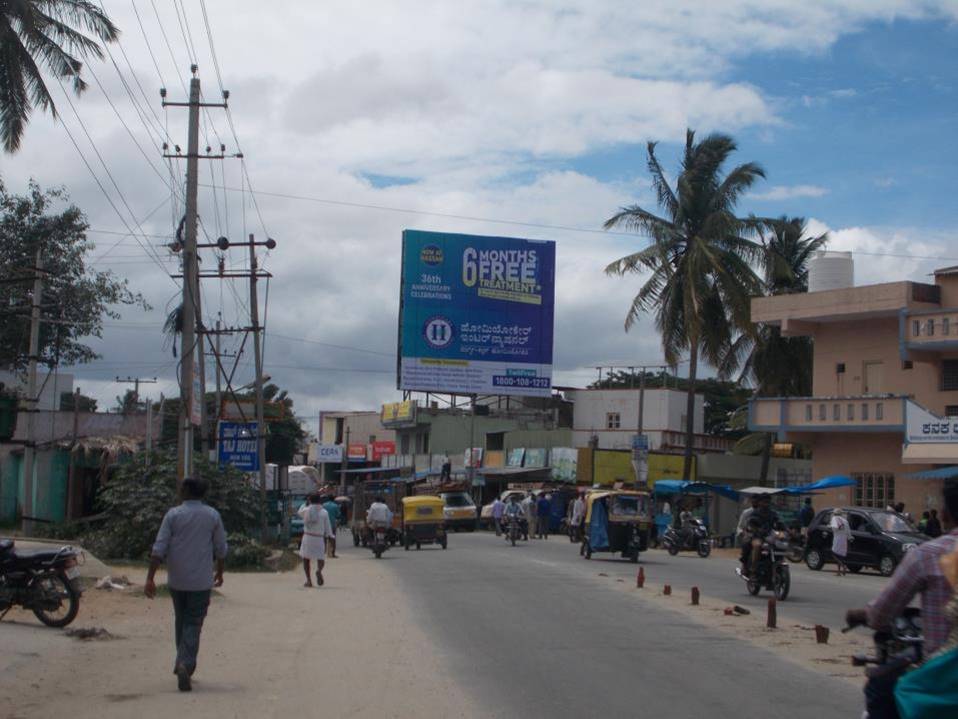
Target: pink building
[[885, 385]]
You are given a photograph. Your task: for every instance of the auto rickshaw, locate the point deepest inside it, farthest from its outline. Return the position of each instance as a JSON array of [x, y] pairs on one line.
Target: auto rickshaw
[[617, 521], [423, 521], [392, 491]]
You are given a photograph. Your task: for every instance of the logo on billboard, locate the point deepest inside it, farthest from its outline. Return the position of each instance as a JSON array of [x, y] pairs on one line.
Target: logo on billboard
[[438, 332], [431, 255]]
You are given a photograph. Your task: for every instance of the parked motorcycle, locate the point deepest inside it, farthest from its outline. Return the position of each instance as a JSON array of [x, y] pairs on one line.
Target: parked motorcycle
[[515, 529], [897, 649], [772, 571], [45, 581], [696, 537]]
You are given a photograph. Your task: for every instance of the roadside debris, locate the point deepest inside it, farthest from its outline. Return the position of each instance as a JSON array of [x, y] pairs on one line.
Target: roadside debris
[[110, 583], [90, 633]]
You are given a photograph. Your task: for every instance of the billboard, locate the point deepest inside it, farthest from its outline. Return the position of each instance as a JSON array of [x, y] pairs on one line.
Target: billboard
[[398, 414], [476, 314], [328, 453], [236, 445], [381, 448]]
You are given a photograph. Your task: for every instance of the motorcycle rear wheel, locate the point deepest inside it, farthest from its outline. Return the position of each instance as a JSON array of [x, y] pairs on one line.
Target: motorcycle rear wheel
[[673, 548], [782, 583], [753, 587], [50, 587], [704, 549]]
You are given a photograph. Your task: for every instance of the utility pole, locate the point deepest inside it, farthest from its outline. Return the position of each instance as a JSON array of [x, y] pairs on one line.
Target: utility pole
[[136, 382], [342, 474], [29, 449], [258, 360], [71, 472]]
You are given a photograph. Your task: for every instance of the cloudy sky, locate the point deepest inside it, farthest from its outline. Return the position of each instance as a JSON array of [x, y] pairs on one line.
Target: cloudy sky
[[528, 119]]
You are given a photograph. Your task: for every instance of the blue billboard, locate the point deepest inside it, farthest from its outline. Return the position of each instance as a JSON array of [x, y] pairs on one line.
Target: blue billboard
[[237, 445], [476, 314]]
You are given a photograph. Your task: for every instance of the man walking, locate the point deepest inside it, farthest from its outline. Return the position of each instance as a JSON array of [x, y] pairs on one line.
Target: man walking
[[529, 509], [190, 537], [498, 508], [332, 509], [578, 517], [543, 507]]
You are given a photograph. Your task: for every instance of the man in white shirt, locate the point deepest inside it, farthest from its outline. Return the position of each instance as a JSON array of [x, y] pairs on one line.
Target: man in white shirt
[[498, 508], [378, 513], [578, 516], [529, 509]]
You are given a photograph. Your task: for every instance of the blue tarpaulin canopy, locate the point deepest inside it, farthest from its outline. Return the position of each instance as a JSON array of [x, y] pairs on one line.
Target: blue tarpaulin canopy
[[837, 480], [683, 486], [940, 473]]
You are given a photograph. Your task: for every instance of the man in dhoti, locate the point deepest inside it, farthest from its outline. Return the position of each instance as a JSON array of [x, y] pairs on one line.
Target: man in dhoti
[[316, 530]]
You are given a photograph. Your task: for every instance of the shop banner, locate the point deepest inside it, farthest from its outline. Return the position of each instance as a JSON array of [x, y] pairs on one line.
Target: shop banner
[[236, 445], [921, 426], [383, 447], [356, 452], [476, 314], [329, 453]]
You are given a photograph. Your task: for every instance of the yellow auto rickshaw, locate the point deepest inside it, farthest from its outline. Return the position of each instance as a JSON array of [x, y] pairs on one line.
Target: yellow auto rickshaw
[[617, 520], [423, 521]]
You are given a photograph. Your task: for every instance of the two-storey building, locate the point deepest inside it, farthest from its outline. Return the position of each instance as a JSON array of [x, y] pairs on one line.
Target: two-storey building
[[885, 387]]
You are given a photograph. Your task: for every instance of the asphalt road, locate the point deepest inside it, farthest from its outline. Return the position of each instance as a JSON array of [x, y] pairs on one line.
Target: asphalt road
[[534, 631]]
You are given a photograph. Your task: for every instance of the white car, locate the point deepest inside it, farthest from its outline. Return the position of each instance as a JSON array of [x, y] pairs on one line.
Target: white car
[[459, 510], [485, 516]]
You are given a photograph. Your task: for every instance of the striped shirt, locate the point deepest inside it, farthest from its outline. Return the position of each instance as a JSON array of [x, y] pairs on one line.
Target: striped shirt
[[920, 571]]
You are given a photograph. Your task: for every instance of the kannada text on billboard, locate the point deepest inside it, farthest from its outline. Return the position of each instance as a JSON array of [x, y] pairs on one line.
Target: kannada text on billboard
[[476, 314]]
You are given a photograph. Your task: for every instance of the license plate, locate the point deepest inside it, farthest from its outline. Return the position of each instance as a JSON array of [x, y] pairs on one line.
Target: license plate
[[72, 572]]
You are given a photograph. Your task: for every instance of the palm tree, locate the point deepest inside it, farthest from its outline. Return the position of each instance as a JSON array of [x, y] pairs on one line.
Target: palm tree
[[777, 366], [43, 32], [700, 259]]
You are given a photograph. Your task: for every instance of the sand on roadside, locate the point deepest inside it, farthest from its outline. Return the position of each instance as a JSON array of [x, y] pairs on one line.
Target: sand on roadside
[[271, 648]]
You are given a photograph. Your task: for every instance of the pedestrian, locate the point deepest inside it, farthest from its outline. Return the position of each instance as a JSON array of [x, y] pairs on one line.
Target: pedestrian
[[316, 530], [498, 508], [806, 514], [445, 474], [923, 522], [578, 516], [529, 509], [190, 538], [332, 509], [933, 529], [543, 507], [841, 536]]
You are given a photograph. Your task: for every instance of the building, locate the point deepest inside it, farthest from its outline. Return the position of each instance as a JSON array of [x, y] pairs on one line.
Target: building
[[359, 434], [611, 417], [885, 386]]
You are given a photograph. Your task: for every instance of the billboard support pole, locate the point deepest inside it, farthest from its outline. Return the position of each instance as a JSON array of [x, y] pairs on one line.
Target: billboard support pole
[[472, 447]]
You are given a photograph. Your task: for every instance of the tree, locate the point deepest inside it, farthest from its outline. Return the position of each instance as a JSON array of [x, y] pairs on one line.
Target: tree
[[699, 257], [82, 403], [129, 403], [75, 297], [777, 366], [48, 33]]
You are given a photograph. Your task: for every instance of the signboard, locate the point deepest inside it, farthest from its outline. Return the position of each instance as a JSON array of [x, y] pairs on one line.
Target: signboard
[[356, 452], [516, 455], [236, 445], [921, 426], [640, 446], [332, 453], [668, 466], [476, 314], [535, 458], [563, 461], [398, 414], [196, 402], [383, 447], [468, 455]]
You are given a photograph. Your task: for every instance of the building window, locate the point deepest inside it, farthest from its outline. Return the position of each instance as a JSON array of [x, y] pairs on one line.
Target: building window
[[837, 412], [613, 420], [808, 413], [404, 443], [945, 325], [874, 489], [851, 412], [916, 328], [907, 364], [949, 375], [879, 411], [425, 443], [864, 412], [930, 327], [951, 410], [496, 441]]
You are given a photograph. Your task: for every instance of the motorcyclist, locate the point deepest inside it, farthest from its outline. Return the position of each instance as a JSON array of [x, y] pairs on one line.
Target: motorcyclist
[[378, 514], [921, 572], [759, 523], [686, 523], [514, 511]]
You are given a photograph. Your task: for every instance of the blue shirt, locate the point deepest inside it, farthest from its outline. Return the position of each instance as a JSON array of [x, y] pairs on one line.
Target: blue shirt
[[542, 507], [332, 509], [189, 537]]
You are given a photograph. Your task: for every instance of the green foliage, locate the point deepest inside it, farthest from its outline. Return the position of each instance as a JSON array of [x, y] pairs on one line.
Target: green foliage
[[68, 400], [75, 297], [245, 552], [138, 496]]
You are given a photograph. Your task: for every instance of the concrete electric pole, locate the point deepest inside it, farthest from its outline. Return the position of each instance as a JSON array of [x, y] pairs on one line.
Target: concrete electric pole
[[29, 449]]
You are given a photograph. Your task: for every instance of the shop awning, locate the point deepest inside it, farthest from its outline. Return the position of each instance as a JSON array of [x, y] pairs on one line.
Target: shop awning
[[930, 453], [761, 490], [683, 486], [940, 473], [837, 480]]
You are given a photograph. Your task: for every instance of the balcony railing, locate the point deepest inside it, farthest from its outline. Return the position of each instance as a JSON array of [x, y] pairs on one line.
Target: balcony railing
[[922, 330], [861, 413]]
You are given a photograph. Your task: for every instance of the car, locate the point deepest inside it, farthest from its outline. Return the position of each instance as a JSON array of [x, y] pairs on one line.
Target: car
[[880, 539], [459, 511], [485, 516]]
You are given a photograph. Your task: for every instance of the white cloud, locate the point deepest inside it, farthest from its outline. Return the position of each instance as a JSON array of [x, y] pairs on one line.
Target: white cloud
[[475, 100], [789, 192]]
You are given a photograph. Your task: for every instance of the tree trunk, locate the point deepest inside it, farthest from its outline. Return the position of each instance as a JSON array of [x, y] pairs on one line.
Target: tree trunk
[[690, 410], [766, 457]]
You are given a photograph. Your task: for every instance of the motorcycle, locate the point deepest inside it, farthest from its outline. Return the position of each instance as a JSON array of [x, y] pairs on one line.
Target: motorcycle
[[695, 537], [772, 570], [379, 541], [796, 544], [45, 581], [515, 528], [897, 649]]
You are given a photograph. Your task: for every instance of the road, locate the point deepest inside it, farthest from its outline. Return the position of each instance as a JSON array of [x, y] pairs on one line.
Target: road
[[537, 631]]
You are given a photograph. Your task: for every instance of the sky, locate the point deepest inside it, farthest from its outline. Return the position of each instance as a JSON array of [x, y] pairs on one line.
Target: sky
[[525, 119]]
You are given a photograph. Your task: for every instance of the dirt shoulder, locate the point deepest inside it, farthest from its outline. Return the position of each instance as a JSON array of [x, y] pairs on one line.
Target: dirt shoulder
[[271, 648]]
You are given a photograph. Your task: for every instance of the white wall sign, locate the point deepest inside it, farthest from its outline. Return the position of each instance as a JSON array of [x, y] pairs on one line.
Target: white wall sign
[[329, 453], [921, 426]]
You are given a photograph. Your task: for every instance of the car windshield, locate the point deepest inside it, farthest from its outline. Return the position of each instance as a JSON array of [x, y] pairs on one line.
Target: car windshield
[[460, 499], [891, 522], [625, 505]]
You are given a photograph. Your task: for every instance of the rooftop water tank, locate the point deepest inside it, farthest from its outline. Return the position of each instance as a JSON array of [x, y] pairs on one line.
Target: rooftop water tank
[[830, 271]]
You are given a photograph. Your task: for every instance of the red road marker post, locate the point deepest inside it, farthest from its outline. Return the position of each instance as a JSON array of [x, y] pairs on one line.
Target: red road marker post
[[667, 590], [640, 578], [695, 596], [772, 620]]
